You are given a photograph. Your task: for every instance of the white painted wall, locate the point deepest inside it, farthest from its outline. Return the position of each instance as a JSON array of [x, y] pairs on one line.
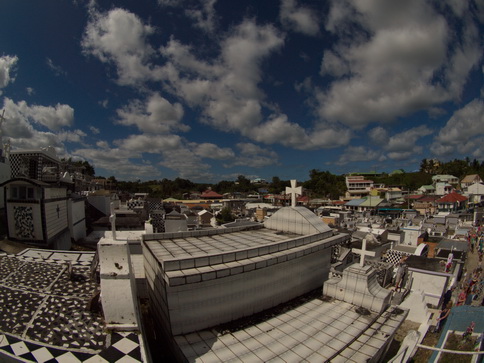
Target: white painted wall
[[118, 288], [177, 225], [209, 303], [432, 286], [77, 219], [55, 217], [51, 193], [411, 235]]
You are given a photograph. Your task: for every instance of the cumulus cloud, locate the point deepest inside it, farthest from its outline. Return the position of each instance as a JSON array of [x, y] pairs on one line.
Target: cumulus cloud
[[358, 154], [255, 156], [117, 161], [402, 145], [204, 17], [20, 117], [186, 164], [71, 136], [228, 92], [150, 143], [392, 58], [7, 67], [119, 37], [463, 127], [299, 18], [212, 151], [94, 130], [155, 115]]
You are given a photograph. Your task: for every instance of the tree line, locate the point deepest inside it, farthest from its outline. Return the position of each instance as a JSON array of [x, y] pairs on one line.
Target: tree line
[[321, 184]]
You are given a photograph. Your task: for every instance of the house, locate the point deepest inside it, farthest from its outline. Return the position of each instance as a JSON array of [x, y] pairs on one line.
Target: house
[[426, 204], [468, 180], [393, 193], [451, 202], [205, 218], [449, 179], [426, 189], [210, 194], [475, 193], [442, 188], [357, 186]]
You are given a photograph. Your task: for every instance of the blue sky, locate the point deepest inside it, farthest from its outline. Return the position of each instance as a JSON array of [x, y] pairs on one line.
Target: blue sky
[[208, 90]]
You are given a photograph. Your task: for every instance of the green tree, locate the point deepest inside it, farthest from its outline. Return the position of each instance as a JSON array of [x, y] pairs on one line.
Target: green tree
[[225, 216]]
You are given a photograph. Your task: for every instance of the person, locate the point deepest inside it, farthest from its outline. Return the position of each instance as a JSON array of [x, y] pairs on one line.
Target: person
[[399, 275], [444, 313], [461, 299], [447, 296]]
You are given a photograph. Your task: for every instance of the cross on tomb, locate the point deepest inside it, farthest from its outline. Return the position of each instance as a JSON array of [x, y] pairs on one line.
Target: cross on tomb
[[363, 252], [293, 191]]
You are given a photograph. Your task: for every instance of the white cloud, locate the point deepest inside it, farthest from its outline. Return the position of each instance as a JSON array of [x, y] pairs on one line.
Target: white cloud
[[118, 162], [20, 117], [227, 89], [155, 115], [400, 146], [212, 151], [94, 130], [252, 155], [30, 91], [465, 125], [299, 18], [51, 117], [71, 136], [37, 140], [58, 71], [186, 164], [204, 17], [358, 154], [392, 58], [7, 67], [405, 141], [149, 143], [102, 144], [104, 103], [120, 37], [378, 135]]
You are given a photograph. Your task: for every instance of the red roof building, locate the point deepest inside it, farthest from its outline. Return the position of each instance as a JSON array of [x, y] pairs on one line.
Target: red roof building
[[451, 202], [210, 194]]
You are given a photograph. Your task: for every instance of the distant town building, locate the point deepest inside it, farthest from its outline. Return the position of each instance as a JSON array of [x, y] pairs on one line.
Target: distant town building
[[357, 186]]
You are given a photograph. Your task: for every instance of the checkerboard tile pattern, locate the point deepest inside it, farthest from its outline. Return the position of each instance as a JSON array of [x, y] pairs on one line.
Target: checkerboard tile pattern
[[125, 348], [394, 256], [44, 315]]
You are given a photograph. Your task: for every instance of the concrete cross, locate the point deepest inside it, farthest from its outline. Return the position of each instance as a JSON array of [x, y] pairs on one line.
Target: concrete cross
[[363, 252], [293, 191]]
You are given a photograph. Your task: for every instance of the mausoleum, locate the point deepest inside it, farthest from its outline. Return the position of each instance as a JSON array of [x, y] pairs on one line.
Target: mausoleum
[[200, 279]]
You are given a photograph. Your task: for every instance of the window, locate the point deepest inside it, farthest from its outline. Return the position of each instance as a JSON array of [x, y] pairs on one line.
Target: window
[[22, 193]]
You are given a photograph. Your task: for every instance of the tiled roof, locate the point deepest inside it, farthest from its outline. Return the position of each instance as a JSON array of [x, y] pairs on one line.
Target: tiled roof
[[470, 178], [452, 198], [211, 194]]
